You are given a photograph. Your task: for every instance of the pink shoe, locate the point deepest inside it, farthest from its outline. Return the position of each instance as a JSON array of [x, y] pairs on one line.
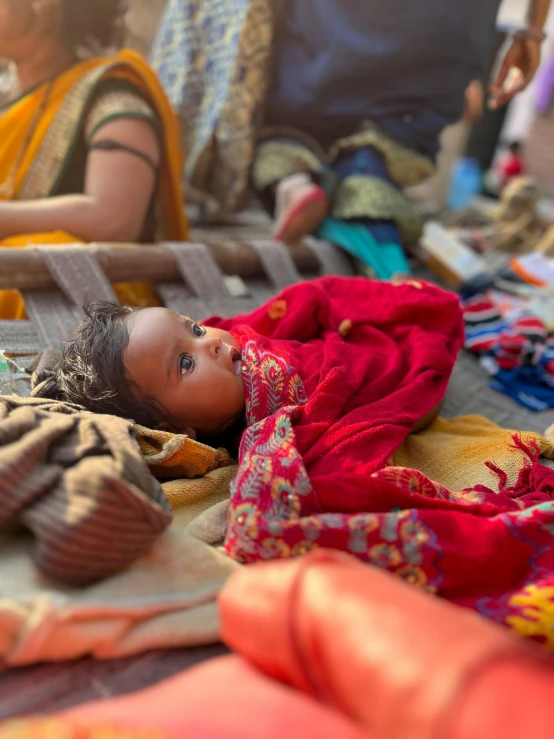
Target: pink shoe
[[301, 208]]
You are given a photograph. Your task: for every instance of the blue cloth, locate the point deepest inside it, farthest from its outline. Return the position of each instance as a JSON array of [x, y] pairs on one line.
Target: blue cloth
[[404, 64], [531, 387], [365, 160], [375, 243]]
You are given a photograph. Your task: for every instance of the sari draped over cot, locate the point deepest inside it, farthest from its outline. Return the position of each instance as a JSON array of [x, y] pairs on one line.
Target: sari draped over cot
[[336, 373], [47, 154]]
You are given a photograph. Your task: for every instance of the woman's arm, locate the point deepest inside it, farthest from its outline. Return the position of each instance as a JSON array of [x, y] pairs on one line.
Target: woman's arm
[[118, 191]]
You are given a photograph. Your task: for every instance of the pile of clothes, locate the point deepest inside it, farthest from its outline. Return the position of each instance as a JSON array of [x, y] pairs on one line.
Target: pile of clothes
[[510, 327], [90, 565]]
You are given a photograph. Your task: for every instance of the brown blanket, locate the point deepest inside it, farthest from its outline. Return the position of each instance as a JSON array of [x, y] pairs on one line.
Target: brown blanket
[[79, 483]]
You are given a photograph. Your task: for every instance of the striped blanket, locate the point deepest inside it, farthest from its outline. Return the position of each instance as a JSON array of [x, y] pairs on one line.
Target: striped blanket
[[515, 347]]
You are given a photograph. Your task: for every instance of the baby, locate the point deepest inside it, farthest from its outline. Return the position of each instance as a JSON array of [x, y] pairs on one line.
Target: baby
[[163, 371], [159, 368]]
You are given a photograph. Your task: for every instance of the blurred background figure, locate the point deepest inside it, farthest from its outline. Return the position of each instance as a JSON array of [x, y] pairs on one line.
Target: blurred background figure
[[431, 194], [538, 127], [334, 107], [89, 145]]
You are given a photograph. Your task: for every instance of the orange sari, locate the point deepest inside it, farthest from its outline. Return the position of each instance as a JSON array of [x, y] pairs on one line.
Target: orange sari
[[45, 158]]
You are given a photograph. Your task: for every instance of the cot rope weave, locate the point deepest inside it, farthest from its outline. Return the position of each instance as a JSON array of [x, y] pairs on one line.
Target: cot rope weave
[[53, 316], [80, 279], [204, 291], [333, 261], [19, 337], [199, 270], [55, 313], [277, 263], [77, 274]]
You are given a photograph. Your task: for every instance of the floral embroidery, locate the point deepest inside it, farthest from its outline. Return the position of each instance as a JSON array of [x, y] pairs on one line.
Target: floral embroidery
[[274, 549], [411, 539], [286, 503], [245, 518], [312, 528], [362, 526], [273, 501], [303, 547], [270, 383], [537, 513], [414, 575], [466, 497], [385, 555], [413, 532], [536, 605], [412, 480], [417, 482], [389, 525], [297, 392]]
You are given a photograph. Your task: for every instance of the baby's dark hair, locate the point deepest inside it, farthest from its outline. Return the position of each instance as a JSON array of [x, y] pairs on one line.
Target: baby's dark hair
[[92, 372], [92, 21]]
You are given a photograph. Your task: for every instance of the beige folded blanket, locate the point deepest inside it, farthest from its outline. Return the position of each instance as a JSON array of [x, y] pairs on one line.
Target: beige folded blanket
[[167, 598], [80, 484]]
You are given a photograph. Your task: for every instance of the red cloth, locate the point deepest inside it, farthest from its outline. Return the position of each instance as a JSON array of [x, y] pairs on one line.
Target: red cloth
[[336, 373], [511, 166], [365, 389], [402, 664]]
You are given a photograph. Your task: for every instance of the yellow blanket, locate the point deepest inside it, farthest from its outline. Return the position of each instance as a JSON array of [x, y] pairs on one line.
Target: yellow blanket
[[201, 476], [453, 452]]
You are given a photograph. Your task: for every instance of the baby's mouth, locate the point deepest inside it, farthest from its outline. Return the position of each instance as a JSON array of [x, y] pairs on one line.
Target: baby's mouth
[[236, 358]]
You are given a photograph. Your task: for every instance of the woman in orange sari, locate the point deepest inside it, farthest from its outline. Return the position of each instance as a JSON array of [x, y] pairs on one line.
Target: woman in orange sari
[[89, 150]]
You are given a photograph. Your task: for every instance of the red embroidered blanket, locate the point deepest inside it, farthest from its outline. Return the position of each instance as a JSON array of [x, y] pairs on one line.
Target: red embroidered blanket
[[336, 373]]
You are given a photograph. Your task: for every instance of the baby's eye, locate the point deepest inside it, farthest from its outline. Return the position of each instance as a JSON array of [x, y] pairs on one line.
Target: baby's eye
[[186, 364], [198, 330]]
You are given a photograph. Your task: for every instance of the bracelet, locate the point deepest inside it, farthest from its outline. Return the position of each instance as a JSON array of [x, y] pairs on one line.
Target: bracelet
[[529, 34]]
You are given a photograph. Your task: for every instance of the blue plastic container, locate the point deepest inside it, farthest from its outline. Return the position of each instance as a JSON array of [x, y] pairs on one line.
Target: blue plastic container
[[466, 182]]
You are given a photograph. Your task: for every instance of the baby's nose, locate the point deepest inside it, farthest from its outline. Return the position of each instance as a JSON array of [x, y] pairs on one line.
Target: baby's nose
[[215, 345]]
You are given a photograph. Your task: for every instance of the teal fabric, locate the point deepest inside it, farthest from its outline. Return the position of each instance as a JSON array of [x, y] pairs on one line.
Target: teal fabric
[[386, 260]]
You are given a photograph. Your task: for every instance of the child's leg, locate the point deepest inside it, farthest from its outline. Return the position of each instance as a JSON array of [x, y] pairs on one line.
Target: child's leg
[[365, 213]]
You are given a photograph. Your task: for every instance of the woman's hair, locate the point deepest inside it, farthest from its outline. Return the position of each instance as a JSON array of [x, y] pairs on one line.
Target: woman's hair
[[92, 371], [92, 23]]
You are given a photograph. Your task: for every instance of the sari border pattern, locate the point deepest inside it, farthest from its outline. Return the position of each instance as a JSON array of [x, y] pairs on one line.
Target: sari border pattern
[[50, 161]]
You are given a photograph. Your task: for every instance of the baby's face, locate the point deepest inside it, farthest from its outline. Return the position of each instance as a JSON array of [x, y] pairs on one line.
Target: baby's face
[[193, 371]]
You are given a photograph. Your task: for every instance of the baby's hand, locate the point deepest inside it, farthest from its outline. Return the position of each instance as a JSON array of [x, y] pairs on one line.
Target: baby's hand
[[402, 279]]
